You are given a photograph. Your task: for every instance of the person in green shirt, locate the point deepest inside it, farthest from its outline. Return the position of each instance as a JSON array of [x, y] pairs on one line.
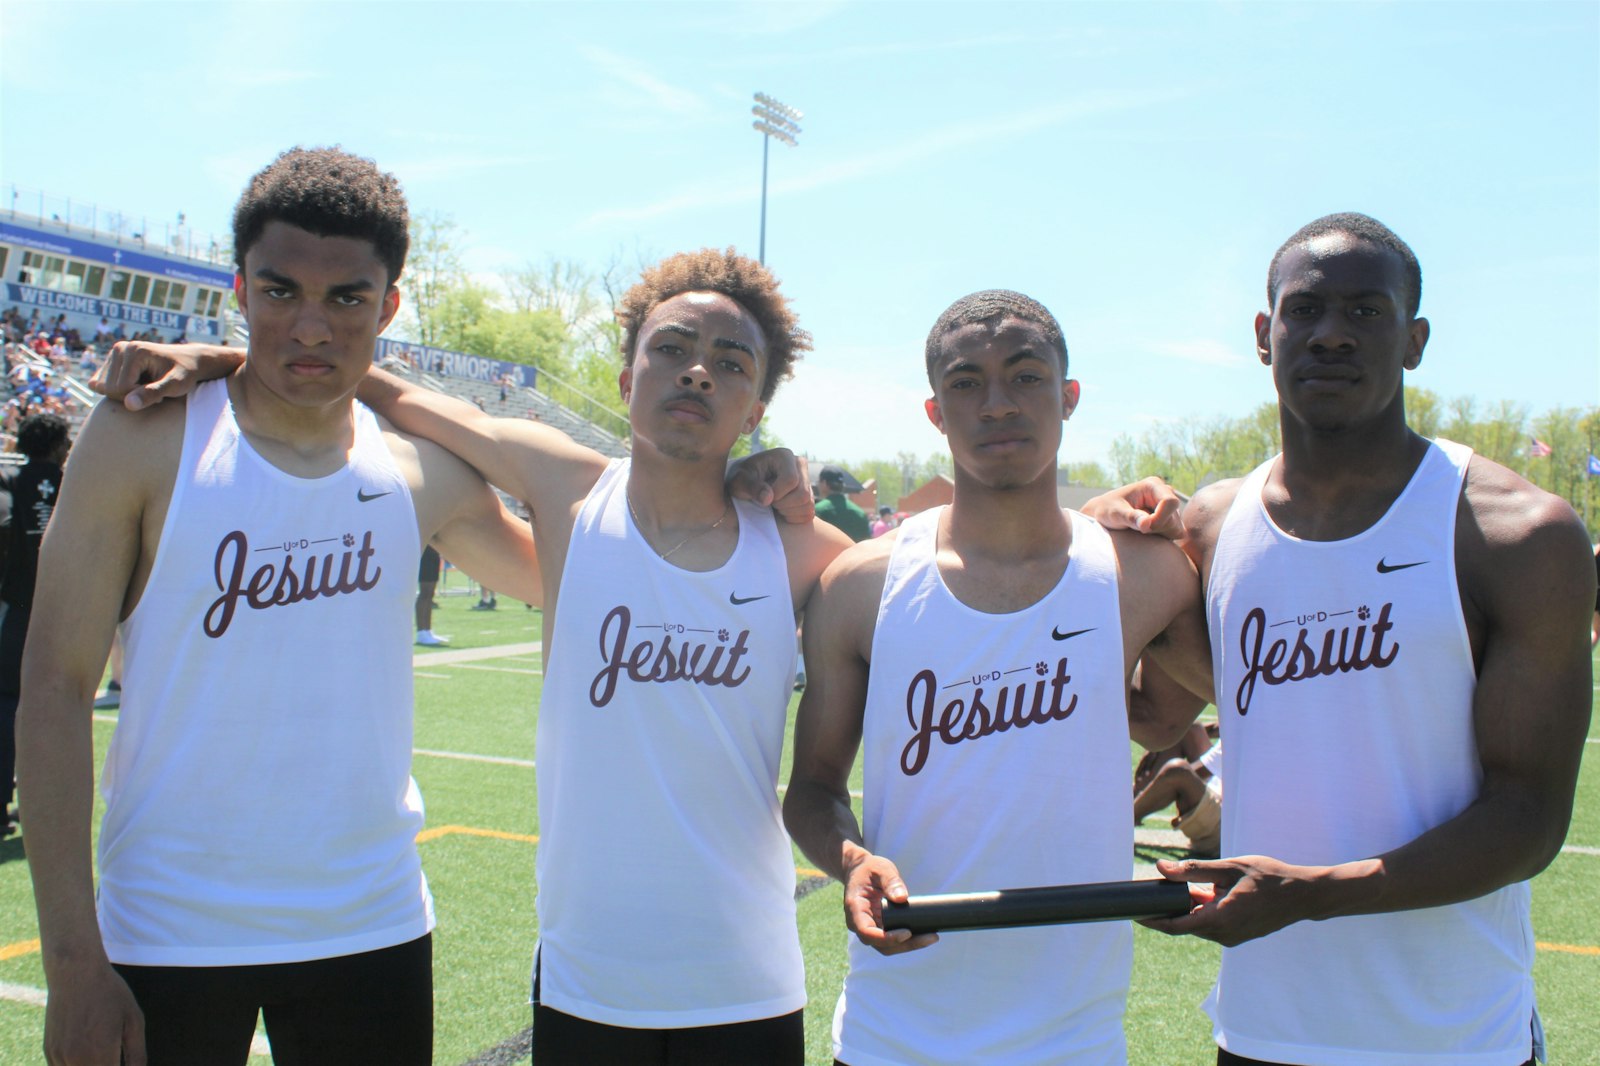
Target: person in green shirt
[[837, 509]]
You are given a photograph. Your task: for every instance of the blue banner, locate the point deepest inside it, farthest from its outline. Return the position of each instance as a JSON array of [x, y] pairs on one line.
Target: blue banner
[[91, 308], [78, 248], [442, 361]]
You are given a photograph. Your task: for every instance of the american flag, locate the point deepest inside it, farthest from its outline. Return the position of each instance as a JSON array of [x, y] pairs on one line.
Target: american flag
[[1538, 449]]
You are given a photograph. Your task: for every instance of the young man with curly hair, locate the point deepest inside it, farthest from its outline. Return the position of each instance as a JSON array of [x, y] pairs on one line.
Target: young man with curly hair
[[258, 543], [669, 651]]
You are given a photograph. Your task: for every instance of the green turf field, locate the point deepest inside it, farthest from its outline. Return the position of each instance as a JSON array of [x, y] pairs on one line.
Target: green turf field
[[479, 852]]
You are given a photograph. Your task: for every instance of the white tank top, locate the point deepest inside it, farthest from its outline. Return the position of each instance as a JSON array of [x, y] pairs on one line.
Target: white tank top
[[666, 880], [259, 804], [995, 755], [1345, 682]]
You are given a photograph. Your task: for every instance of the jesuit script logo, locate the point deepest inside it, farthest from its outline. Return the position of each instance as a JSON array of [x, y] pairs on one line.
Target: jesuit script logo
[[1019, 702], [1338, 647], [278, 582], [665, 652]]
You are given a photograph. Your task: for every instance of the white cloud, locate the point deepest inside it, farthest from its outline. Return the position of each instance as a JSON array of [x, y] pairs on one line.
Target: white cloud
[[630, 73], [897, 156]]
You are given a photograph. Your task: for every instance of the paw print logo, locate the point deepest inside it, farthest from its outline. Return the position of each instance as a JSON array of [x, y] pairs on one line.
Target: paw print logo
[[1040, 668], [722, 635], [1362, 612], [349, 540]]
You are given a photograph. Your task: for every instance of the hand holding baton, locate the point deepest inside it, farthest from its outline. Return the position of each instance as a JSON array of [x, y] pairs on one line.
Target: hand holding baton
[[1052, 905]]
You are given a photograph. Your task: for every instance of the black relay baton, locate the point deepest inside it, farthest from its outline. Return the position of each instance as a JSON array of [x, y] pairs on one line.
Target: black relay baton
[[1052, 905]]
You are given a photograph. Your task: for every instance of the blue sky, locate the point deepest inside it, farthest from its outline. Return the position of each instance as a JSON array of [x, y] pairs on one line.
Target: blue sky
[[1131, 165]]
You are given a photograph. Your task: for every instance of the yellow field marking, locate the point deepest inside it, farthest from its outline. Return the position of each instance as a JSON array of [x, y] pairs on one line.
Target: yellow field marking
[[19, 949], [447, 830], [1570, 949]]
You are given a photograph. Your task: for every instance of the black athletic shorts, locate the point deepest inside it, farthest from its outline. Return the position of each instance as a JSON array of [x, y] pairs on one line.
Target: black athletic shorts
[[354, 1010], [428, 570]]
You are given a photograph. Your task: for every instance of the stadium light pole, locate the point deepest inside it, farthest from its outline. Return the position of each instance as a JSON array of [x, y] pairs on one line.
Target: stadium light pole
[[773, 119]]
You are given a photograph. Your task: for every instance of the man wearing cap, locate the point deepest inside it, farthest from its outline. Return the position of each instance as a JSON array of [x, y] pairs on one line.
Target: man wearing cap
[[837, 509]]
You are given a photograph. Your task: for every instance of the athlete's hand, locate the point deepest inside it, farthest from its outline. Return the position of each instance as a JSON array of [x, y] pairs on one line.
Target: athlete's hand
[[1249, 896], [870, 882], [141, 374], [91, 1019], [775, 478], [1148, 506]]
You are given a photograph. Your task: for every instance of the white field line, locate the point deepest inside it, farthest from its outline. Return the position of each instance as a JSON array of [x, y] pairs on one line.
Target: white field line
[[431, 677], [498, 669], [33, 997], [1579, 849], [501, 760]]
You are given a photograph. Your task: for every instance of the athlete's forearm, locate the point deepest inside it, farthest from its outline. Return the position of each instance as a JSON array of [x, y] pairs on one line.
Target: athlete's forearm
[[822, 824], [55, 781], [451, 423]]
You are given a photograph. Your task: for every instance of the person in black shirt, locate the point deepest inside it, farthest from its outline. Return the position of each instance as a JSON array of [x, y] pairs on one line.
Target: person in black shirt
[[33, 489]]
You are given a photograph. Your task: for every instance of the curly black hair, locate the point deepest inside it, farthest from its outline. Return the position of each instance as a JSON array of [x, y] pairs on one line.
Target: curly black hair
[[329, 192], [1362, 228], [990, 305], [40, 435], [742, 280]]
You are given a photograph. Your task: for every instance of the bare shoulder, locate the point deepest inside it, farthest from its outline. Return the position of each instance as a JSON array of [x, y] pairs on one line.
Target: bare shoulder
[[1203, 514], [122, 450], [855, 576], [1512, 534]]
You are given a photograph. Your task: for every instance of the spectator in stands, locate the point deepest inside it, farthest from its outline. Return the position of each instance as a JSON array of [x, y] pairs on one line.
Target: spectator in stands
[[33, 491], [838, 509], [884, 522]]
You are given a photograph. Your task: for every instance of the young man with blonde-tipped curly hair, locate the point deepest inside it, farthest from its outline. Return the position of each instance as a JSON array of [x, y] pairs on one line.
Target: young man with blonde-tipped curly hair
[[666, 884]]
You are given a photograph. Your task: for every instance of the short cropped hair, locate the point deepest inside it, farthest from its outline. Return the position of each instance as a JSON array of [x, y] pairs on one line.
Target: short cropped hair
[[742, 280], [1362, 228], [990, 306], [40, 435], [329, 192]]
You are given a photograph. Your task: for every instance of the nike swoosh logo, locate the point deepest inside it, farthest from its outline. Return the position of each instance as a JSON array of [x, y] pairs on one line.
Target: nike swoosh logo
[[739, 601], [361, 495], [1068, 636], [1385, 568]]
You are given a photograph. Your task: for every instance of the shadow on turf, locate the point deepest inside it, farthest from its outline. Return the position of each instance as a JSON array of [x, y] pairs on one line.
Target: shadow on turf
[[1149, 853], [11, 850]]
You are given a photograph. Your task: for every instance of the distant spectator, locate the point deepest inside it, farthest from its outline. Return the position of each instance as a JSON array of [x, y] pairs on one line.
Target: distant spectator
[[838, 509], [33, 490], [884, 522]]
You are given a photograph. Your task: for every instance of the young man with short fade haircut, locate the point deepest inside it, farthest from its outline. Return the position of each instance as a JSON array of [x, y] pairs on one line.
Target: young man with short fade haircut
[[258, 544], [980, 658], [1404, 691]]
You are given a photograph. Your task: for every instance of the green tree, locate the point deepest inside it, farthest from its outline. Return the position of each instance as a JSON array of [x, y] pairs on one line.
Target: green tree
[[434, 269]]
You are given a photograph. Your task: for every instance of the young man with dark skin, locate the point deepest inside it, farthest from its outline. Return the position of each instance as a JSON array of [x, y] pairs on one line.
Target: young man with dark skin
[[980, 657], [1404, 689], [257, 542]]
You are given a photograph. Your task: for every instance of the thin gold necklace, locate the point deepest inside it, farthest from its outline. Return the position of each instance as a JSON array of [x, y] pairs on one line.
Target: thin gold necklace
[[692, 536]]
